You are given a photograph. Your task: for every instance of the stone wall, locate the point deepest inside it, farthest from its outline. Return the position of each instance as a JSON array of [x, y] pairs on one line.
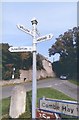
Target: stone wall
[[43, 73]]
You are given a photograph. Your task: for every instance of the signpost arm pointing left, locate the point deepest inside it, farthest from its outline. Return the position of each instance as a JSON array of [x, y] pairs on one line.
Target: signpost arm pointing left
[[21, 27]]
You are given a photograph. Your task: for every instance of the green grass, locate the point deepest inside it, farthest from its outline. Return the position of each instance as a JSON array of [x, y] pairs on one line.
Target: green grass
[[52, 93], [5, 106], [47, 92], [76, 82]]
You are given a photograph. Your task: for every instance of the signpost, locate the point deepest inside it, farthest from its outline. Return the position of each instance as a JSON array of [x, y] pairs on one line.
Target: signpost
[[60, 106], [21, 49], [34, 83], [44, 38], [21, 27], [33, 49]]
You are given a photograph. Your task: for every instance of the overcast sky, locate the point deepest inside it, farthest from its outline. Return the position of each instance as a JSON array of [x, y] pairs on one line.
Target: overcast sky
[[53, 17]]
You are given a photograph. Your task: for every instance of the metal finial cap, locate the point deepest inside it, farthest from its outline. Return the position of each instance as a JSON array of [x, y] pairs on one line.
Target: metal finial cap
[[34, 21]]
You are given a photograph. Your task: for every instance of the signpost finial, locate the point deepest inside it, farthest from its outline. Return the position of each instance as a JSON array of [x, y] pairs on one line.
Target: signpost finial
[[34, 21]]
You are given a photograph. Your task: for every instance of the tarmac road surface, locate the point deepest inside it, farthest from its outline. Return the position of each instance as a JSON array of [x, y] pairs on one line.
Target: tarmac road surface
[[61, 85]]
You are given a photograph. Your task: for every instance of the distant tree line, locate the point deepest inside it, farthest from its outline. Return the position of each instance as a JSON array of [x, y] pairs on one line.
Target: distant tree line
[[67, 46], [17, 61]]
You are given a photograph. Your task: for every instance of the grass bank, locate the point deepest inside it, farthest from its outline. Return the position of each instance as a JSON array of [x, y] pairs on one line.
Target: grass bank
[[76, 82], [47, 92]]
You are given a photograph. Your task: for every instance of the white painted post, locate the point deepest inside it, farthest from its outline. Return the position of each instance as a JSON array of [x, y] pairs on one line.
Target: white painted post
[[34, 83], [36, 40], [13, 75]]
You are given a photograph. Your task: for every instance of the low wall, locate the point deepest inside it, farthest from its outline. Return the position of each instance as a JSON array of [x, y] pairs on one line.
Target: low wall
[[28, 75], [40, 74]]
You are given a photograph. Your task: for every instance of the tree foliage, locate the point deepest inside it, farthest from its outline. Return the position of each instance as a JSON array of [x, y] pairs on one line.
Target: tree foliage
[[18, 61], [9, 61], [67, 45]]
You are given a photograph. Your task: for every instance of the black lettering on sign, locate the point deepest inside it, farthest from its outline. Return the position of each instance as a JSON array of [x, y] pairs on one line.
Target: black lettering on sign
[[42, 38], [50, 106], [63, 108], [56, 106], [68, 109], [72, 110], [21, 26], [27, 30], [24, 29], [77, 109], [47, 106], [49, 36], [43, 104]]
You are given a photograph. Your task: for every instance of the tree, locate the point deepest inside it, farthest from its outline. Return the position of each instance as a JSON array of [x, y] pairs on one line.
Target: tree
[[9, 60], [19, 61], [66, 46]]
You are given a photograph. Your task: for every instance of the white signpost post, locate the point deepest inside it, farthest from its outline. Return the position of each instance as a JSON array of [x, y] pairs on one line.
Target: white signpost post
[[33, 49], [59, 106]]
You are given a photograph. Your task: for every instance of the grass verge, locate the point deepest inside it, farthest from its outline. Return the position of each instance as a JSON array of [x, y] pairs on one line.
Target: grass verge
[[76, 82], [47, 92]]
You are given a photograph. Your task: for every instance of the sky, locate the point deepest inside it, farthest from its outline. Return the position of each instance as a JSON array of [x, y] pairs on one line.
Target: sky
[[53, 17]]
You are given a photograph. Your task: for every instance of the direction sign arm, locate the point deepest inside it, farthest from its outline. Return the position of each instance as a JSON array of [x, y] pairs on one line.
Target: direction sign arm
[[44, 38], [22, 28], [21, 49]]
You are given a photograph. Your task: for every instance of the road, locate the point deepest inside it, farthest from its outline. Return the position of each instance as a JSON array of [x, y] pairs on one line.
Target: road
[[61, 85]]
